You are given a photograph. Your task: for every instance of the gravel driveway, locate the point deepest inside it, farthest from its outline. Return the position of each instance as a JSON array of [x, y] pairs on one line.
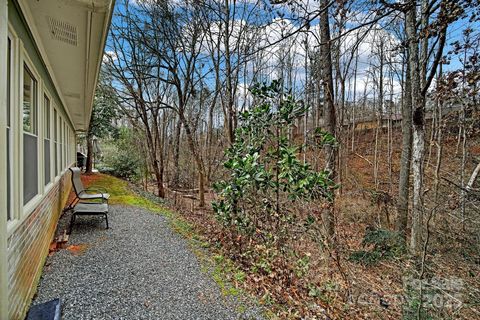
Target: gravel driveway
[[138, 269]]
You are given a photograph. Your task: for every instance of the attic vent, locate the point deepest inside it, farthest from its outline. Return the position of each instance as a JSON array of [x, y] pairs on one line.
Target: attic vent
[[63, 31], [72, 95]]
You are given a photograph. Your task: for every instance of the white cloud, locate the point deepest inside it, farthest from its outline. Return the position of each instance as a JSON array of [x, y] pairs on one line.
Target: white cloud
[[277, 50], [109, 56]]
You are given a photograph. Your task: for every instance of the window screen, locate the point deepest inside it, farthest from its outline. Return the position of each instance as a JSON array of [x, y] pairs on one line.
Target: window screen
[[55, 141], [61, 144], [30, 147], [30, 172], [46, 113], [29, 102], [46, 159], [9, 178]]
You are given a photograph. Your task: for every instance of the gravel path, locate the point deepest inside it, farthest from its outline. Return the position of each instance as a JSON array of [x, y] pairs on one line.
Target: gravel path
[[138, 269]]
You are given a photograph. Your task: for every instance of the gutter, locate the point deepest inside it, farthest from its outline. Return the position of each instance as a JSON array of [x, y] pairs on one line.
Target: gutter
[[106, 27]]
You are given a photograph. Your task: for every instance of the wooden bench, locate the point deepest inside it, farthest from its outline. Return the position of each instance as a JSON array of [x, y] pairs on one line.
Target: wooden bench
[[88, 209]]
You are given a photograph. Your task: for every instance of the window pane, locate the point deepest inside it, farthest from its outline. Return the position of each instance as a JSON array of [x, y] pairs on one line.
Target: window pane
[[47, 161], [46, 120], [9, 61], [30, 172], [61, 144], [55, 120], [9, 179], [46, 147], [67, 149], [29, 102], [65, 144], [55, 145]]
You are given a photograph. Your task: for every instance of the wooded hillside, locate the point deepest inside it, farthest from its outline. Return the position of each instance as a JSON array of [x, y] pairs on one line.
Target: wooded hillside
[[330, 149]]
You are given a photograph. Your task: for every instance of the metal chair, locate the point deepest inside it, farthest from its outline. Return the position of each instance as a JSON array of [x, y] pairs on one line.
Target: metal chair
[[85, 195], [85, 202], [88, 209]]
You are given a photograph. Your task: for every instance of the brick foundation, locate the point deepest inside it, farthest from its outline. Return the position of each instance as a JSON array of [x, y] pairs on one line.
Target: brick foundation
[[28, 247]]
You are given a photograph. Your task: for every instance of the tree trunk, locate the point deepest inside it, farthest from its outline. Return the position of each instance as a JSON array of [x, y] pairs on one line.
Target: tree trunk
[[89, 164], [210, 139], [418, 121], [354, 106], [473, 177], [329, 112], [379, 129], [230, 107], [404, 179], [198, 159], [391, 111], [176, 154], [159, 178]]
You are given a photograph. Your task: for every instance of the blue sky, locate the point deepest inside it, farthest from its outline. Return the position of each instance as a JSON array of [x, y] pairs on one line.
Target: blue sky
[[266, 14]]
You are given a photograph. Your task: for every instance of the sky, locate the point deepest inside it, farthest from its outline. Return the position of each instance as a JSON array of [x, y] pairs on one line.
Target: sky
[[282, 20]]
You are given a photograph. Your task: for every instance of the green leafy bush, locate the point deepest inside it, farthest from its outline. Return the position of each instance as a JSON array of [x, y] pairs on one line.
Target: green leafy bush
[[124, 160], [124, 166], [383, 244], [266, 176]]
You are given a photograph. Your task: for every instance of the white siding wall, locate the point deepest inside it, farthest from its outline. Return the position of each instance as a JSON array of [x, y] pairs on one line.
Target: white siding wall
[[27, 228]]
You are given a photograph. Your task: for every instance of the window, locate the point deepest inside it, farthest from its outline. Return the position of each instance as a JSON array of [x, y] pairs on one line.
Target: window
[[65, 134], [64, 144], [68, 147], [9, 131], [30, 146], [46, 148], [55, 140], [29, 102], [61, 144]]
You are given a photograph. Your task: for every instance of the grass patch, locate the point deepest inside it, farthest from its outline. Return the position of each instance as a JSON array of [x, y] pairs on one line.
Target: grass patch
[[224, 273], [120, 193]]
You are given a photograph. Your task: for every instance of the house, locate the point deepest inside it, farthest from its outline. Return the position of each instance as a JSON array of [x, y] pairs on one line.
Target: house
[[51, 55]]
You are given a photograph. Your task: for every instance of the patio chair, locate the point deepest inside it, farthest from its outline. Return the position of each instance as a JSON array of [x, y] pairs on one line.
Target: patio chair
[[88, 209], [86, 202], [98, 195]]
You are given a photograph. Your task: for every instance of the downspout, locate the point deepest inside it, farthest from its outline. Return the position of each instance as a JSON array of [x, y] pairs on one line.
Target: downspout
[[3, 162]]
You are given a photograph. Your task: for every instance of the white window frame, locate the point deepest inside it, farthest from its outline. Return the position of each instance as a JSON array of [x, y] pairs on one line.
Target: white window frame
[[16, 127], [69, 147], [52, 177], [65, 151], [55, 115], [28, 207], [60, 142], [15, 204], [63, 145]]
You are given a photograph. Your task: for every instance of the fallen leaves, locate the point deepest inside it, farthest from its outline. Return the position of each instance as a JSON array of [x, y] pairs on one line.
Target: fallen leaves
[[77, 249]]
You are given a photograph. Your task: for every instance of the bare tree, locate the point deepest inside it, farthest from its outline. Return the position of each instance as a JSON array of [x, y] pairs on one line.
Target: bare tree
[[329, 109], [422, 68]]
